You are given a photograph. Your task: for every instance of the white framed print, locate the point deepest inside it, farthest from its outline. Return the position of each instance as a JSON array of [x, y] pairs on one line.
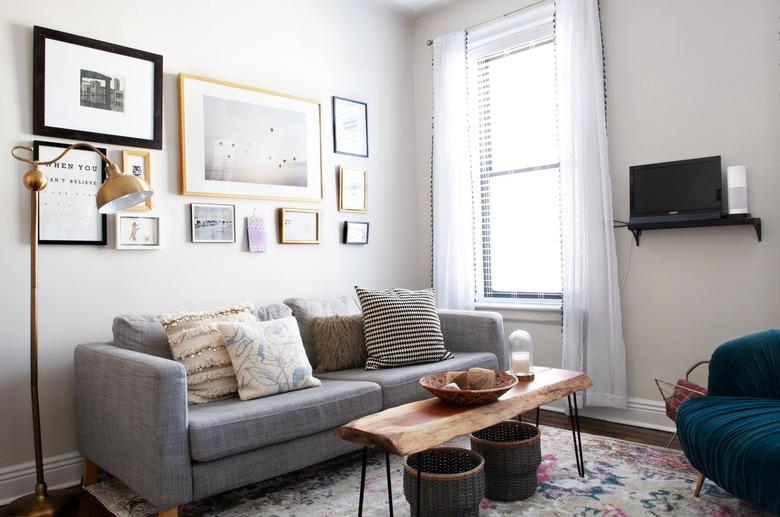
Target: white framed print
[[86, 89], [350, 127], [213, 222], [245, 142], [136, 232], [299, 226], [67, 210], [138, 163], [353, 189]]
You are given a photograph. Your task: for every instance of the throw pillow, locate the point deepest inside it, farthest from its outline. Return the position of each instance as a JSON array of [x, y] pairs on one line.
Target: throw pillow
[[268, 357], [201, 349], [339, 342], [401, 327]]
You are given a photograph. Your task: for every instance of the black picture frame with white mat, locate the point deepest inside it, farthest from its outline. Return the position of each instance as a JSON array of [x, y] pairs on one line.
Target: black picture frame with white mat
[[355, 232], [136, 232], [91, 90], [211, 222], [350, 127], [67, 212]]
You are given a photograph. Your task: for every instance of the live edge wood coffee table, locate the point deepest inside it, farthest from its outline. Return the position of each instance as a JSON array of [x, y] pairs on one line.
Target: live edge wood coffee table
[[418, 426]]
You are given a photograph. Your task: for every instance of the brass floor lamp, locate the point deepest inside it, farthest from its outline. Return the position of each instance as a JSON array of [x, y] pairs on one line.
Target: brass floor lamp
[[118, 192]]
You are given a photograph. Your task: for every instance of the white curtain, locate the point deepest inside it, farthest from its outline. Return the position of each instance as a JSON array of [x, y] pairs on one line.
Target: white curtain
[[453, 257], [592, 330]]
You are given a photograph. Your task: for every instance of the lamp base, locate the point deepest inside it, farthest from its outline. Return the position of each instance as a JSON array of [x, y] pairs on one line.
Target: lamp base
[[525, 377], [57, 503]]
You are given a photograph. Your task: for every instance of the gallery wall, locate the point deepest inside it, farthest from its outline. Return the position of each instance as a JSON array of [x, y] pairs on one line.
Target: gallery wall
[[314, 49], [684, 80]]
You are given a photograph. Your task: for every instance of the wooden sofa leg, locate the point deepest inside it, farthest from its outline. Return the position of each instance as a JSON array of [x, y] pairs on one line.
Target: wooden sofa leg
[[170, 512], [699, 484], [89, 472]]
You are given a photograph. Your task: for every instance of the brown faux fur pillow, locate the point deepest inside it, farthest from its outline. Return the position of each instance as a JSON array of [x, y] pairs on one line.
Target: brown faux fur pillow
[[339, 343]]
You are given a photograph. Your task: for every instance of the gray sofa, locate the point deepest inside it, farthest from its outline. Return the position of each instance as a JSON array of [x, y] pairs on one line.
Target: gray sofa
[[134, 422]]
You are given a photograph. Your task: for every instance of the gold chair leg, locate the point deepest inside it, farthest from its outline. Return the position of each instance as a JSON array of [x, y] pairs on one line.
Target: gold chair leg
[[170, 512], [672, 440], [699, 484], [89, 472]]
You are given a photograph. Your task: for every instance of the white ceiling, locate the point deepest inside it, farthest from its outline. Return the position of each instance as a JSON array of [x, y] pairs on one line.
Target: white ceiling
[[416, 5]]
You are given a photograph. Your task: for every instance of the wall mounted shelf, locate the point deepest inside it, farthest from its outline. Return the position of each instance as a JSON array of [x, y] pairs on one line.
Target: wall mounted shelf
[[755, 222]]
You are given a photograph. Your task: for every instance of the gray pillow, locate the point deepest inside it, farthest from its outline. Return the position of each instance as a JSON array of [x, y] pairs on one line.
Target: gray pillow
[[144, 333], [306, 309]]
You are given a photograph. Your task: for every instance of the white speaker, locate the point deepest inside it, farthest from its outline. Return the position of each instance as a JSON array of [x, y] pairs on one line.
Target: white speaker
[[736, 179]]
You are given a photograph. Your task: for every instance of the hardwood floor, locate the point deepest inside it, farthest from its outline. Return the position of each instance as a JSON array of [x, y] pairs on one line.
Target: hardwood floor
[[91, 507]]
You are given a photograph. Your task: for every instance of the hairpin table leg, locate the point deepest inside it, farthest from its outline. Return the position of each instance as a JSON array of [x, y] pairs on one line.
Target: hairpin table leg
[[574, 416], [419, 485], [362, 481], [389, 485], [537, 416]]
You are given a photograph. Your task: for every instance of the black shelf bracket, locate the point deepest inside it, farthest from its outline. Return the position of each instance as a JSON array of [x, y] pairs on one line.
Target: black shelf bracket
[[637, 229]]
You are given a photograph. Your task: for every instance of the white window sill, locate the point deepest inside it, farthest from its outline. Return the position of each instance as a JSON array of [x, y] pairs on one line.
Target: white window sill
[[551, 306]]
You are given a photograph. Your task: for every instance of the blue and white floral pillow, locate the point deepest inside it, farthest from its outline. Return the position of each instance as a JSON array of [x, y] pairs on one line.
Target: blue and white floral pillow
[[268, 357]]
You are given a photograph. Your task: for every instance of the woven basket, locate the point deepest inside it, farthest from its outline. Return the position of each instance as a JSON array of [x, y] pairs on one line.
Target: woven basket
[[452, 484], [512, 453]]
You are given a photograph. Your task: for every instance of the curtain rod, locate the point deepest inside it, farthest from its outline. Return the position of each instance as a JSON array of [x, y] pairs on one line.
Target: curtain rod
[[510, 13]]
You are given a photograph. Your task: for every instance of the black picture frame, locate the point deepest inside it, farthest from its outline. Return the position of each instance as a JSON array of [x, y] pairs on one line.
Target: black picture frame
[[194, 206], [104, 240], [335, 136], [40, 35], [345, 235]]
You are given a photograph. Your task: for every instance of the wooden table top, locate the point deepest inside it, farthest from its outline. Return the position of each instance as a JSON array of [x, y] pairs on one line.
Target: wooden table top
[[418, 426]]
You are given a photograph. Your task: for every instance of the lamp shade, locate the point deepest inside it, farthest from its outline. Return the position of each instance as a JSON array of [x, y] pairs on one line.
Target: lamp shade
[[121, 191]]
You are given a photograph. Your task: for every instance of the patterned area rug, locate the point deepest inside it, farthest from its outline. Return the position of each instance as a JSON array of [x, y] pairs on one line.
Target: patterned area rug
[[622, 479]]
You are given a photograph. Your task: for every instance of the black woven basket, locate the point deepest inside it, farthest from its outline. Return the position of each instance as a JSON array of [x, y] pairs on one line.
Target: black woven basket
[[512, 453], [452, 482]]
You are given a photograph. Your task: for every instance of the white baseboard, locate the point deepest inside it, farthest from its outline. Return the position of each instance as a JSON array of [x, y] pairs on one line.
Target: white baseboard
[[61, 472], [650, 414], [65, 470]]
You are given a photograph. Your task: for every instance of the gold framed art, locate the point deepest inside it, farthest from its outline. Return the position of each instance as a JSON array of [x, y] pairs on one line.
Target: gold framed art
[[244, 142], [299, 226], [138, 163], [353, 189]]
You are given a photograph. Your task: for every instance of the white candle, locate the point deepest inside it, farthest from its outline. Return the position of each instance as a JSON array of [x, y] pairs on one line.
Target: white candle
[[521, 362]]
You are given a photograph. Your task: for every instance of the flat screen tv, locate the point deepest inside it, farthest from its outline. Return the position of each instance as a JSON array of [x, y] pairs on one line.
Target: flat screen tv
[[684, 190]]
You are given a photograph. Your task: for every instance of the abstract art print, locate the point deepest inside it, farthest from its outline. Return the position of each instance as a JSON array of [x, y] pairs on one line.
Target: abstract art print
[[352, 189], [239, 141], [85, 89], [138, 163], [137, 232], [213, 223]]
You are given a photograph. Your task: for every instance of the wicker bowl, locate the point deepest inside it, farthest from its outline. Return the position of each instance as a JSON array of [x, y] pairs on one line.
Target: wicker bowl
[[435, 383]]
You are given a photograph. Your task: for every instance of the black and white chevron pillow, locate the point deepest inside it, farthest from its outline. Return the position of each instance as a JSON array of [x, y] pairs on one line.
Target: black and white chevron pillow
[[401, 327]]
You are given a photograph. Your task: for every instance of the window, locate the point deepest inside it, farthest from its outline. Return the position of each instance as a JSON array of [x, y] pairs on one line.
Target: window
[[513, 129]]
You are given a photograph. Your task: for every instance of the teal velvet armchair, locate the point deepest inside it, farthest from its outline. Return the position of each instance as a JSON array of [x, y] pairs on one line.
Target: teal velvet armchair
[[732, 436]]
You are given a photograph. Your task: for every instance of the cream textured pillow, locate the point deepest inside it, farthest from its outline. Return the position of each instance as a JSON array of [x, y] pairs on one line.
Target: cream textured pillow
[[339, 342], [201, 349], [268, 357]]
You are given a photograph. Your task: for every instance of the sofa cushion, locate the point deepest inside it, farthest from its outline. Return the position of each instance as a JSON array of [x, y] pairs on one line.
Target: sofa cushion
[[144, 333], [735, 442], [339, 342], [231, 426], [306, 309], [401, 385]]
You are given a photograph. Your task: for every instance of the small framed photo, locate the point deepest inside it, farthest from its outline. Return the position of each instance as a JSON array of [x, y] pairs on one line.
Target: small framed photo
[[213, 223], [90, 90], [299, 226], [137, 163], [350, 127], [137, 232], [355, 232], [353, 189], [67, 213]]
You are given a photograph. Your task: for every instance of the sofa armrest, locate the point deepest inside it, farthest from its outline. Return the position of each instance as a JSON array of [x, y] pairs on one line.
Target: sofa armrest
[[131, 412], [475, 331]]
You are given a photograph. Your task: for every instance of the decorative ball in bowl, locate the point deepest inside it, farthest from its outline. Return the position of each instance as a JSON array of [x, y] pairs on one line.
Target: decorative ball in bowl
[[436, 383]]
